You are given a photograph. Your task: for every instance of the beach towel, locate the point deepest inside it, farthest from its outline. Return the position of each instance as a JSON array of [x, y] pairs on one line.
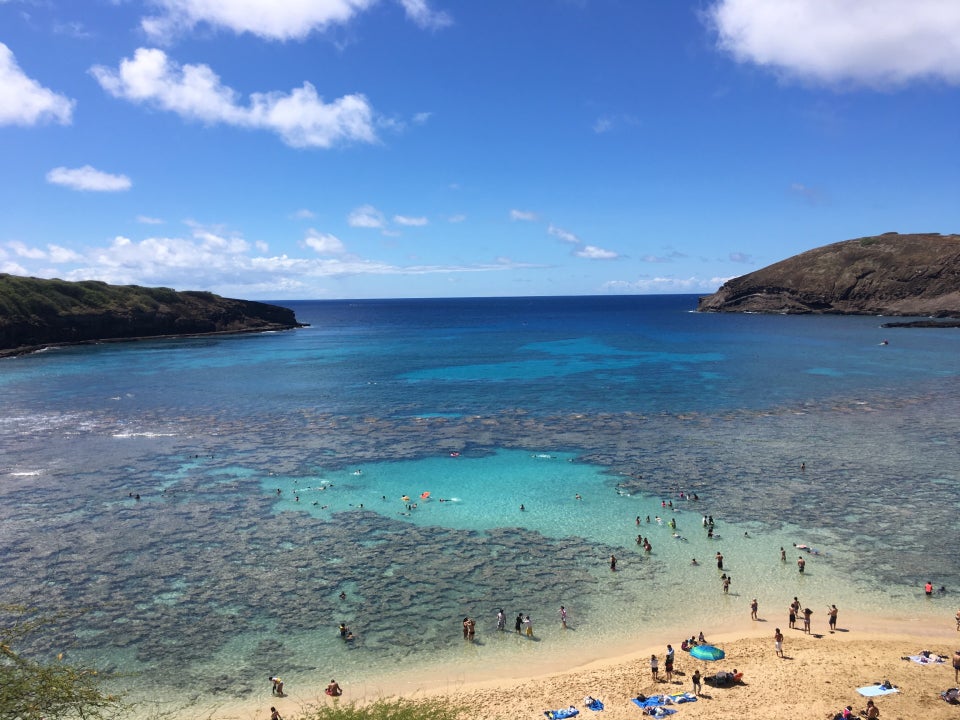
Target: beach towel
[[595, 705], [658, 711], [875, 690], [651, 702], [683, 697], [924, 660], [561, 713], [951, 696]]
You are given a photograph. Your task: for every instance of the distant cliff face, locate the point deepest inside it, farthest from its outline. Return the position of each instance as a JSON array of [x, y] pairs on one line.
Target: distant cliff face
[[888, 274], [37, 313]]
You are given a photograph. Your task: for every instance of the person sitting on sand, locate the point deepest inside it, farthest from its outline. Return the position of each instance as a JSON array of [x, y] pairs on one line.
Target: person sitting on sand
[[274, 714], [334, 689], [872, 711]]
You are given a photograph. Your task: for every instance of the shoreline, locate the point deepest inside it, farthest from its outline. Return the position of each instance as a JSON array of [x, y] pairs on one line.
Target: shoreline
[[817, 677]]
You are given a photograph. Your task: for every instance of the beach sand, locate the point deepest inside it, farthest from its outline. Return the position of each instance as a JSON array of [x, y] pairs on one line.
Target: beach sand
[[817, 677]]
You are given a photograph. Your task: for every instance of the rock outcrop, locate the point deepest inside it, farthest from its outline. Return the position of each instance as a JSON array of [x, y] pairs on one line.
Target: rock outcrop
[[889, 274], [37, 313]]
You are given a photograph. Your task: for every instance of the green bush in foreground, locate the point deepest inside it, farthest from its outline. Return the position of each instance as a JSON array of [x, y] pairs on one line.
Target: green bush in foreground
[[386, 710], [35, 690]]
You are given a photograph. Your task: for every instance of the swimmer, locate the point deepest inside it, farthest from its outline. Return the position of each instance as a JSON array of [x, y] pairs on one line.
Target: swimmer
[[522, 508], [694, 562], [577, 496]]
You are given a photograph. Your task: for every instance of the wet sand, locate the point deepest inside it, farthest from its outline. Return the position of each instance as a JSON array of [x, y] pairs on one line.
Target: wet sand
[[817, 677]]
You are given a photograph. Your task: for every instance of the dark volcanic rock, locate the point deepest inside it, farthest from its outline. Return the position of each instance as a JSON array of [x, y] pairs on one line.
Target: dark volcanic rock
[[889, 274], [37, 313]]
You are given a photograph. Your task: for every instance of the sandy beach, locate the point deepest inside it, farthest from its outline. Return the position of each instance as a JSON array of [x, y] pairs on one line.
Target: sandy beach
[[817, 677]]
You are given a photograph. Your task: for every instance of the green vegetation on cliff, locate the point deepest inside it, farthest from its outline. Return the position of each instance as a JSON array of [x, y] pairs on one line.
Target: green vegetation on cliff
[[36, 313]]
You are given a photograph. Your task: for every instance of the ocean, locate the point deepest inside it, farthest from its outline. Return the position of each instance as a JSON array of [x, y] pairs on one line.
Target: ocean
[[210, 510]]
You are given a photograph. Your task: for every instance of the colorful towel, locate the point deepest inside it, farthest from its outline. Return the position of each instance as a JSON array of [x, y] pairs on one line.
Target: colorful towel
[[658, 711], [651, 702], [683, 697], [875, 690], [595, 705], [561, 713], [924, 660]]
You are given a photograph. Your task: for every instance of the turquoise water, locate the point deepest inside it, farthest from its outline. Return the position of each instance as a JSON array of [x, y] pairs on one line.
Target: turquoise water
[[214, 579]]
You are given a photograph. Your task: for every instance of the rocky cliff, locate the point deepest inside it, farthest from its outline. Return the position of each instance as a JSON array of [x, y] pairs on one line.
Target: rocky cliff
[[889, 274], [37, 313]]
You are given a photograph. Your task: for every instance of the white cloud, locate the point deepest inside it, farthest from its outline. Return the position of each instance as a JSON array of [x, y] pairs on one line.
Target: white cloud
[[421, 117], [602, 125], [592, 252], [304, 214], [564, 235], [410, 221], [876, 43], [419, 11], [654, 285], [53, 253], [324, 243], [301, 117], [366, 216], [23, 101], [457, 218], [286, 20], [88, 178], [524, 215], [147, 220], [22, 250]]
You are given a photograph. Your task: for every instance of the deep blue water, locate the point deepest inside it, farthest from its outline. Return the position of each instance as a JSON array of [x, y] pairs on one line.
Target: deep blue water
[[488, 403]]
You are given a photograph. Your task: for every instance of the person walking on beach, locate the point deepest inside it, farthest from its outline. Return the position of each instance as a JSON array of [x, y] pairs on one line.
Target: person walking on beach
[[668, 663], [696, 682], [753, 609], [832, 614], [654, 668], [275, 714], [956, 666], [807, 612], [778, 642]]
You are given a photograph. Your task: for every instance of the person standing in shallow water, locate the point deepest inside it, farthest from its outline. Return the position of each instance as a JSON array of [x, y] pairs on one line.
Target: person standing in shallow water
[[719, 557], [563, 617], [501, 620], [518, 623], [613, 562]]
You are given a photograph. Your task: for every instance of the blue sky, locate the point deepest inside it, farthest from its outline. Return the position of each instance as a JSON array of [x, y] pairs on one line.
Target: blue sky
[[283, 149]]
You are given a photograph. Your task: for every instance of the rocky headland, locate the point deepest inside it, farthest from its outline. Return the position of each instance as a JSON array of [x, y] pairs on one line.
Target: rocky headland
[[37, 313], [915, 275]]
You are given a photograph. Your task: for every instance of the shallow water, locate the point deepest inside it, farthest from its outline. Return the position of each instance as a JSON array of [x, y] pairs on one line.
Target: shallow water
[[214, 579]]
